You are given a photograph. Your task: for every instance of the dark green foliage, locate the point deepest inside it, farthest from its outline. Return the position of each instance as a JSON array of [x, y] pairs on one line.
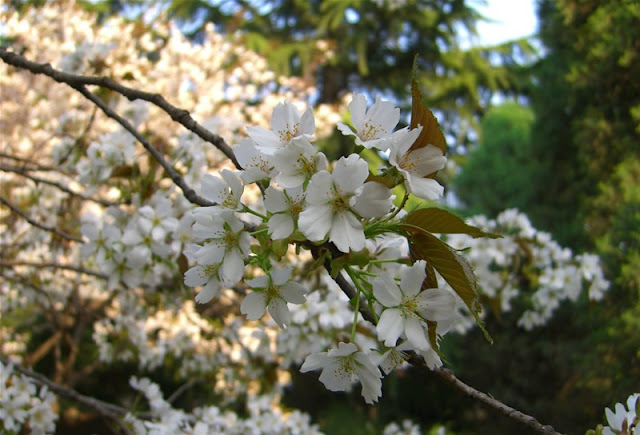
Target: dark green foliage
[[499, 173], [373, 50], [586, 104]]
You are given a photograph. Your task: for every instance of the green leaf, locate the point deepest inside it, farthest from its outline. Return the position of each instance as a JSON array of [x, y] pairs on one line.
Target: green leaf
[[453, 267], [437, 220]]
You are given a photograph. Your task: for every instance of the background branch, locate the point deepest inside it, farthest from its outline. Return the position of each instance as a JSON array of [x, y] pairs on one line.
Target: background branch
[[37, 224]]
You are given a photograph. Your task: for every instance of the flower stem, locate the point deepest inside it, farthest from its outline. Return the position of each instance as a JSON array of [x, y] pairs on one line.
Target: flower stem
[[405, 198], [246, 209]]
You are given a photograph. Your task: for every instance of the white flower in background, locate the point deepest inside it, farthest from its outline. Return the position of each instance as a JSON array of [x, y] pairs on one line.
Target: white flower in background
[[406, 305], [226, 193], [297, 163], [286, 206], [256, 165], [101, 240], [272, 292], [416, 164], [125, 264], [226, 242], [374, 127], [621, 421], [286, 124], [332, 204], [342, 366]]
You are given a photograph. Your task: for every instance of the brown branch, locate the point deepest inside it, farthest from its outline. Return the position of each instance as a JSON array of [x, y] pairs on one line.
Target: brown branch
[[35, 166], [74, 80], [77, 269], [450, 378], [108, 410], [24, 172], [37, 224]]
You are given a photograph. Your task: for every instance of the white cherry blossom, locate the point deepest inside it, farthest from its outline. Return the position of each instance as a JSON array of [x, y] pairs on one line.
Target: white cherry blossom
[[297, 163], [286, 124], [417, 164], [255, 164], [374, 127], [226, 242], [286, 206], [332, 205], [406, 306], [272, 292], [342, 366], [226, 192]]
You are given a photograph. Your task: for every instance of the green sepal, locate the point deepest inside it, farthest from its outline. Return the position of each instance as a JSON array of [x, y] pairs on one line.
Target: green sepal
[[279, 248]]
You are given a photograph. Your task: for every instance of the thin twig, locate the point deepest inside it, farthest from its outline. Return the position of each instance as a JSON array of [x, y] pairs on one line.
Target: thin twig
[[113, 412], [24, 172], [11, 263], [39, 225]]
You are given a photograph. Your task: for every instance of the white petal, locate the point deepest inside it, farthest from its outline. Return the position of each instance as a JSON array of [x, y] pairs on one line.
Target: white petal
[[315, 361], [343, 349], [350, 173], [213, 188], [384, 115], [280, 276], [234, 183], [254, 305], [374, 200], [294, 293], [275, 200], [386, 291], [345, 129], [427, 160], [346, 232], [336, 378], [413, 278], [266, 140], [208, 291], [390, 326], [425, 188], [261, 281], [435, 304], [280, 226], [210, 253], [320, 188], [370, 378], [402, 141], [315, 222], [307, 123], [195, 276], [279, 312], [358, 107], [415, 333], [232, 268]]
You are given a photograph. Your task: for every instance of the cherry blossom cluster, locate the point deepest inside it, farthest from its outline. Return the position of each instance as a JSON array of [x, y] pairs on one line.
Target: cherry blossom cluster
[[308, 200], [553, 273], [24, 406]]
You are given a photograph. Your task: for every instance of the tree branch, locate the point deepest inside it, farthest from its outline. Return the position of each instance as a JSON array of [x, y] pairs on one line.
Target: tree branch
[[112, 412], [37, 224], [77, 269], [24, 173], [74, 80]]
